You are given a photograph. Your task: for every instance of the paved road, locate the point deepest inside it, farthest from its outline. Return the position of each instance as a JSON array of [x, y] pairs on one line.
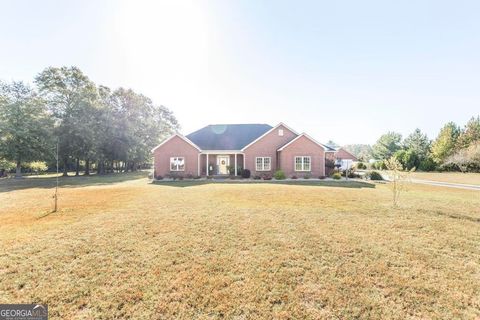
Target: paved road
[[447, 184]]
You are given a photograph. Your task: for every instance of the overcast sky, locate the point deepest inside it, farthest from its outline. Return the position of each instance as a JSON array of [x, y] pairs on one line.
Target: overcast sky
[[342, 70]]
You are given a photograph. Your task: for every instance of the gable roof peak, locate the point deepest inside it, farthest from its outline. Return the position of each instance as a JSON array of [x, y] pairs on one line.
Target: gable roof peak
[[303, 134], [176, 134], [273, 128]]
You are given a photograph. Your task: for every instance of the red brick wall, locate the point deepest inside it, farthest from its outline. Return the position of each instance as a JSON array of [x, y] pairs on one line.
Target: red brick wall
[[176, 147], [303, 147], [267, 147]]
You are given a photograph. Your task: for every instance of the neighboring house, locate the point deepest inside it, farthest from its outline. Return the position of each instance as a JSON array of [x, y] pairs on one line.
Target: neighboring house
[[345, 159], [227, 149]]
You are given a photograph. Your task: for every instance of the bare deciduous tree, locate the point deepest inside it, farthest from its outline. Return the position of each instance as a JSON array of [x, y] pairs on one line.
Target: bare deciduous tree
[[466, 159], [398, 178]]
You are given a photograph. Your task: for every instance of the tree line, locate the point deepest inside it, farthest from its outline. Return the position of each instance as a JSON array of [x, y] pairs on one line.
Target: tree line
[[455, 148], [95, 127]]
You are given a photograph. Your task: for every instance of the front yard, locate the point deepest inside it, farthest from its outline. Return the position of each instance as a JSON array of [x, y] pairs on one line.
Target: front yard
[[123, 248]]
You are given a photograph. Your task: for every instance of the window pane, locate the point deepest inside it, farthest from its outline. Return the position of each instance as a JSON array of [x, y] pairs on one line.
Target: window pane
[[306, 163], [172, 164], [259, 164], [266, 163], [181, 164], [298, 164]]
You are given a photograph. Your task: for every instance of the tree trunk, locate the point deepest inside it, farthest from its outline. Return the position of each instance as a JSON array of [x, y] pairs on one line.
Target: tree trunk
[[65, 169], [87, 167], [18, 172], [100, 167], [77, 167]]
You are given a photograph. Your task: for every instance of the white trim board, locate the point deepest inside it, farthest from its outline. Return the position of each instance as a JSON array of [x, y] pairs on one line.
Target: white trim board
[[298, 137], [181, 137], [222, 151]]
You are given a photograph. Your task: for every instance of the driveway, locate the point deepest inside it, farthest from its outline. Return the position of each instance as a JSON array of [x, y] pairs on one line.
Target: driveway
[[447, 184]]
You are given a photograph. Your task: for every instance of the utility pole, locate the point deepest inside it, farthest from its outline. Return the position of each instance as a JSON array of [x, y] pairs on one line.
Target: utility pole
[[56, 187]]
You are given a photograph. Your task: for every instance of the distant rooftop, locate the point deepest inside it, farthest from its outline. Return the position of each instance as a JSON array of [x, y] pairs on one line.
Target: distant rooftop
[[227, 136]]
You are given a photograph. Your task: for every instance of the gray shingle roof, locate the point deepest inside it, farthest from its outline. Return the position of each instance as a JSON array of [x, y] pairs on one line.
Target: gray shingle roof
[[330, 148], [227, 136]]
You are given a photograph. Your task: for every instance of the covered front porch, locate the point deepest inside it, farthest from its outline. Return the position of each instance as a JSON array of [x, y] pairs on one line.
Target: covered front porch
[[223, 163]]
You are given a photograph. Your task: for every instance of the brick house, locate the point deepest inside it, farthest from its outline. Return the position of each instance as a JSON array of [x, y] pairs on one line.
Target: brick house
[[227, 149]]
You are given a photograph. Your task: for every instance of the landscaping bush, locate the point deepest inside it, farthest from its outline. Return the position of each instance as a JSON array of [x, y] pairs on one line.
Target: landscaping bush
[[159, 177], [256, 177], [209, 177], [321, 177], [212, 169], [231, 170], [189, 176], [307, 176], [232, 177], [280, 175], [361, 166], [267, 176], [374, 175], [337, 176], [173, 176], [294, 177], [197, 177], [245, 173], [351, 174]]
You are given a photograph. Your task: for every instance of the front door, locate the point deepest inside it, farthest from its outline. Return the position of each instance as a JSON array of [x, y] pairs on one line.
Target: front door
[[222, 163]]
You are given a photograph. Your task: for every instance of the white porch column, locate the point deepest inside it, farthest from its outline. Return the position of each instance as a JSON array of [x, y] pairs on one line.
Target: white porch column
[[206, 172], [244, 161], [198, 164], [235, 164]]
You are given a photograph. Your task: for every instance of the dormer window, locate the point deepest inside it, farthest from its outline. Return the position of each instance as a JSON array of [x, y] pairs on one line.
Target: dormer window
[[280, 132]]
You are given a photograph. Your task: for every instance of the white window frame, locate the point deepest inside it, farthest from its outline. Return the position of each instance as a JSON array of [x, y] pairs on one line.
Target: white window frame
[[177, 166], [302, 163], [280, 132], [263, 166]]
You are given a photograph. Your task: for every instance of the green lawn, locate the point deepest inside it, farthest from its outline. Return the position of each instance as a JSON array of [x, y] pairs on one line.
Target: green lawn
[[121, 247]]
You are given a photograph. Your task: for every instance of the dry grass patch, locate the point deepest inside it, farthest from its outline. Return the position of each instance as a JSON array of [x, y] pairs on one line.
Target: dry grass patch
[[244, 251]]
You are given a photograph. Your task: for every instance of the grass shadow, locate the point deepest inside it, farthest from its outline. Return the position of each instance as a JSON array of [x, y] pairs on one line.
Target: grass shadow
[[49, 182], [314, 183]]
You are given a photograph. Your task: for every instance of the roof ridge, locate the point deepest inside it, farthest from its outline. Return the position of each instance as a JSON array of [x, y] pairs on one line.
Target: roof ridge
[[238, 124], [227, 136]]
